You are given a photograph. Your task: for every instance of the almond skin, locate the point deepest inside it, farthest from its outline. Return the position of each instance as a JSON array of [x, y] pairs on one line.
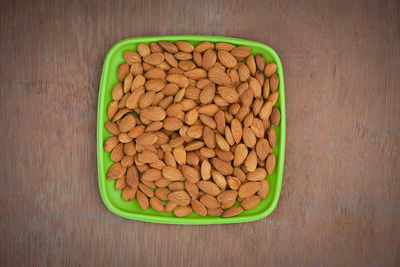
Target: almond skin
[[156, 204], [180, 198], [190, 174], [241, 153], [257, 175], [209, 201], [209, 188], [172, 174], [198, 207], [142, 200], [270, 163], [248, 189], [183, 211], [250, 202], [231, 212]]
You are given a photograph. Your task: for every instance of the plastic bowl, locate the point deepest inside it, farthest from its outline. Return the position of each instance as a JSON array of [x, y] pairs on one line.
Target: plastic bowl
[[130, 209]]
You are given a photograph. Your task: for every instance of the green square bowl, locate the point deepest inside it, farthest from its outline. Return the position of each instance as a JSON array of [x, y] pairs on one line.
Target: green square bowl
[[112, 198]]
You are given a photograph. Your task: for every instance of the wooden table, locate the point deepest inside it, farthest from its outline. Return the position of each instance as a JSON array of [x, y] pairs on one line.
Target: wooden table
[[340, 201]]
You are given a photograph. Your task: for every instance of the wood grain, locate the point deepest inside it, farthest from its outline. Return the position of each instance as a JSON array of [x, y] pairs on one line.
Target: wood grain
[[340, 201]]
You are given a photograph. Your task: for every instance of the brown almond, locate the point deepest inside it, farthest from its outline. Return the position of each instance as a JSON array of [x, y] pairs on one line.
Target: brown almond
[[204, 46], [264, 189], [205, 170], [180, 198], [224, 46], [127, 161], [156, 204], [154, 58], [130, 149], [207, 94], [270, 69], [209, 187], [207, 152], [123, 70], [218, 179], [209, 59], [227, 197], [221, 142], [116, 171], [224, 155], [260, 62], [121, 183], [143, 49], [147, 157], [270, 163], [178, 79], [185, 65], [197, 58], [169, 206], [179, 155], [196, 74], [241, 153], [227, 59], [209, 137], [229, 136], [132, 101], [198, 207], [132, 57], [112, 127], [192, 189], [224, 167], [195, 131], [228, 93], [271, 136], [127, 123], [219, 118], [136, 69], [110, 143], [162, 193], [118, 92], [145, 139], [184, 46], [112, 109], [215, 212], [248, 189], [170, 59], [251, 161], [262, 148], [209, 201], [151, 175], [208, 110], [153, 113], [190, 174], [146, 190], [250, 202], [172, 124], [237, 131], [142, 200], [129, 193], [257, 175], [208, 121], [233, 211], [255, 86], [195, 145], [217, 75], [117, 153], [233, 182], [176, 186], [241, 51], [172, 174], [248, 120], [251, 63], [275, 116], [183, 211]]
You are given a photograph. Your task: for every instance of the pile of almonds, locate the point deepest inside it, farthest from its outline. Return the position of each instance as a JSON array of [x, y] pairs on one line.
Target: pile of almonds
[[193, 127]]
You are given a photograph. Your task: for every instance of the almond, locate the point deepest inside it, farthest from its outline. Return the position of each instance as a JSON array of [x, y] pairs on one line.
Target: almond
[[112, 109], [190, 174], [129, 193], [147, 157], [228, 93], [198, 207], [241, 51], [169, 206], [153, 113], [224, 155], [248, 189], [144, 139], [127, 123], [237, 131], [270, 69], [264, 189], [262, 148], [123, 70], [273, 97], [251, 161], [110, 143], [195, 145], [229, 136], [250, 62], [257, 175], [186, 65], [121, 183], [132, 101], [178, 79], [204, 46], [124, 138], [118, 92], [132, 57], [217, 75], [183, 211], [275, 116], [209, 201], [142, 200], [221, 142], [205, 170], [170, 59], [248, 120], [172, 124], [227, 59], [209, 187], [209, 59], [227, 197], [154, 58], [208, 121], [196, 74], [197, 58], [172, 174], [195, 131], [180, 198], [192, 189], [271, 136], [154, 126], [126, 161], [219, 118], [207, 94], [270, 163], [209, 137], [233, 211], [116, 171], [136, 69], [180, 155], [233, 182], [250, 202], [207, 152], [156, 204], [243, 111], [184, 46], [224, 167], [215, 212], [151, 175], [266, 110], [258, 128], [218, 179], [146, 190], [209, 109], [240, 154], [249, 137], [117, 153], [260, 62]]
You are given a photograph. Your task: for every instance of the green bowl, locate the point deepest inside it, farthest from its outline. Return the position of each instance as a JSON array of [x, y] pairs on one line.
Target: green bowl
[[130, 209]]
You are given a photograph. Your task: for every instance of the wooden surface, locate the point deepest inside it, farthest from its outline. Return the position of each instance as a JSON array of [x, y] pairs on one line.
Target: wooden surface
[[340, 201]]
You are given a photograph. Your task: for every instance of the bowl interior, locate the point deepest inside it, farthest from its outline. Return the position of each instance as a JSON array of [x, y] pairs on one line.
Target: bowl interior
[[130, 209]]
